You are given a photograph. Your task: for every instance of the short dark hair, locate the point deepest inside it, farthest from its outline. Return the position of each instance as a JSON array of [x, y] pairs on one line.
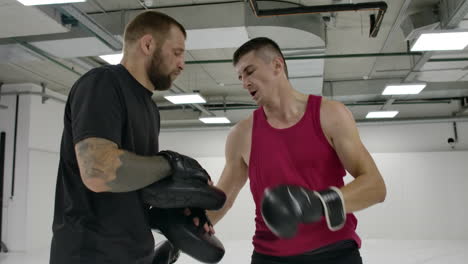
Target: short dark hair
[[256, 45], [150, 22]]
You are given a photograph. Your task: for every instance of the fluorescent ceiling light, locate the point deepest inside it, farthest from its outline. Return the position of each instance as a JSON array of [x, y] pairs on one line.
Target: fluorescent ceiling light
[[441, 41], [112, 58], [214, 120], [47, 2], [408, 88], [382, 114], [192, 98]]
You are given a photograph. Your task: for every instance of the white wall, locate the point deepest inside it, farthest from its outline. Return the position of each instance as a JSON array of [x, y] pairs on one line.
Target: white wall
[[14, 220], [28, 214], [424, 137], [426, 197], [426, 181], [425, 178]]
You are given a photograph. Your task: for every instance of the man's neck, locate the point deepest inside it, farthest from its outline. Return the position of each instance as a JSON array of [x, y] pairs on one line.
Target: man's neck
[[138, 71], [287, 105]]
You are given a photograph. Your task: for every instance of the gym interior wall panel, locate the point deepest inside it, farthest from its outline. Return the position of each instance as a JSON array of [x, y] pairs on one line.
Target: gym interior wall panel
[[201, 143], [45, 132], [426, 197], [14, 235], [381, 138], [46, 124], [28, 213], [426, 181], [462, 134], [412, 137], [40, 198], [7, 120]]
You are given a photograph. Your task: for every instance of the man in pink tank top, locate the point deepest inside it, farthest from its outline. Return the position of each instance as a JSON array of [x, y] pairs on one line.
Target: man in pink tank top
[[295, 150]]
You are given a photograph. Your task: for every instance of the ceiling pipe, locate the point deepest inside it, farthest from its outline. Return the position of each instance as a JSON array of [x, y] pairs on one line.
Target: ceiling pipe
[[344, 56], [216, 106], [375, 22], [175, 125], [41, 94]]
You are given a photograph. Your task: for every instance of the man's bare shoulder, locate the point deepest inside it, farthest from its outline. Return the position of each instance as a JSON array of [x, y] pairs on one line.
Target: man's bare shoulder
[[243, 127], [334, 110], [239, 138]]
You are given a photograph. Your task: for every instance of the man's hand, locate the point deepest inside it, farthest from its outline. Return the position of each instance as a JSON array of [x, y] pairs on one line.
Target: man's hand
[[284, 207], [207, 226]]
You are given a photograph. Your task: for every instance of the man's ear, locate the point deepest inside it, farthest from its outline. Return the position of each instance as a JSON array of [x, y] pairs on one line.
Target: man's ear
[[278, 65], [147, 43]]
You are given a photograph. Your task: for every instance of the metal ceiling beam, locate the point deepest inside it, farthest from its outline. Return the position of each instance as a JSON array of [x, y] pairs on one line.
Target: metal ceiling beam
[[387, 104], [452, 12], [426, 57], [93, 27], [463, 107], [46, 56], [109, 11], [178, 90], [395, 27]]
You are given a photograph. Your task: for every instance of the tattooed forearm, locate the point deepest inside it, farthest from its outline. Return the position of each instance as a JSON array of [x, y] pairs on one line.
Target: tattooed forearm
[[104, 167], [97, 159], [137, 172]]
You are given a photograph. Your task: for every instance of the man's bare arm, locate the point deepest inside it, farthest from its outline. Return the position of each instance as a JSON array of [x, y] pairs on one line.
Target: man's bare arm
[[234, 175], [106, 168], [368, 187]]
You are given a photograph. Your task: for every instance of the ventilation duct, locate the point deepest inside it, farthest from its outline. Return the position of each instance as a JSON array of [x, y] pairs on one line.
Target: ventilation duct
[[375, 22], [414, 24]]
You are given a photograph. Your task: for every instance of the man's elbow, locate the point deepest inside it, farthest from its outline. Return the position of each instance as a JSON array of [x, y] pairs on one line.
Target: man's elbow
[[94, 185], [228, 204], [381, 192]]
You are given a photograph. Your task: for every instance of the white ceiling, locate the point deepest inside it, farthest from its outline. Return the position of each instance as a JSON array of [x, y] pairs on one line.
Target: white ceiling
[[39, 49]]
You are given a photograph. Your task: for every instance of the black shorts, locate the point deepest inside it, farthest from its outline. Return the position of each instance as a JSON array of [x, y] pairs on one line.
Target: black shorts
[[343, 252]]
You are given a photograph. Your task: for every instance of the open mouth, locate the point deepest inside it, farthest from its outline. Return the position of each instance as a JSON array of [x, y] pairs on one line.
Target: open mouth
[[253, 93]]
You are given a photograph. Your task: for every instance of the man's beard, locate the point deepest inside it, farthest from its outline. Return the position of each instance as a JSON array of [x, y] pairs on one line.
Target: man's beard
[[160, 81]]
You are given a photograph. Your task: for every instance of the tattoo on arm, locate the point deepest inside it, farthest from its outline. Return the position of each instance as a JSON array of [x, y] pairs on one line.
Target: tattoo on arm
[[105, 167]]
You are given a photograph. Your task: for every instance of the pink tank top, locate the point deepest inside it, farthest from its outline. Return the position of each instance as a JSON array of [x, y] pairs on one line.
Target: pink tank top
[[298, 155]]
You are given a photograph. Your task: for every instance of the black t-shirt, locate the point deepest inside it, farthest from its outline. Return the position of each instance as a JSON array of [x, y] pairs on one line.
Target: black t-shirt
[[89, 227]]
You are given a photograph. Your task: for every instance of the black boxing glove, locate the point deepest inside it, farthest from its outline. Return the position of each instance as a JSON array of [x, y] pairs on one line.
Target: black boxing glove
[[165, 253], [184, 167], [286, 206], [182, 233], [186, 187]]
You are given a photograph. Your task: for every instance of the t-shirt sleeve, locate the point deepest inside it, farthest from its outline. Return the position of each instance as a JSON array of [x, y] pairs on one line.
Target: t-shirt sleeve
[[96, 107]]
